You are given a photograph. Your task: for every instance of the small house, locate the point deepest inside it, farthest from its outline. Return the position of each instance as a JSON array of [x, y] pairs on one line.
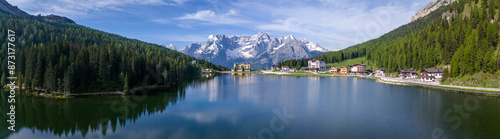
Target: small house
[[293, 69], [273, 68], [427, 78], [358, 68], [285, 68], [437, 73], [380, 72], [334, 69], [408, 74], [344, 70]]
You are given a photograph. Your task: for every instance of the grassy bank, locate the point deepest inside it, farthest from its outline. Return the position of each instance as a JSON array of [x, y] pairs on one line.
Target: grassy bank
[[360, 60], [486, 80]]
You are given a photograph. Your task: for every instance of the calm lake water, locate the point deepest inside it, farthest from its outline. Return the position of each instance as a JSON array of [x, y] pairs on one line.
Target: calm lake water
[[259, 106]]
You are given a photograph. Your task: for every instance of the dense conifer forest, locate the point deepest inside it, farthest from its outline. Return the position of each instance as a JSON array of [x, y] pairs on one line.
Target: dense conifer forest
[[70, 58]]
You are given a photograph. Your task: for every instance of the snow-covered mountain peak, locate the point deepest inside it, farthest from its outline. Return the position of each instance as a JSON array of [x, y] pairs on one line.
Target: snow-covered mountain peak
[[171, 46], [216, 37], [290, 37], [261, 49], [315, 47]]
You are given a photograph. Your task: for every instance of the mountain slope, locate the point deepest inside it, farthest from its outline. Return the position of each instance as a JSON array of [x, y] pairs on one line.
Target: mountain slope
[[66, 57], [262, 49], [6, 7]]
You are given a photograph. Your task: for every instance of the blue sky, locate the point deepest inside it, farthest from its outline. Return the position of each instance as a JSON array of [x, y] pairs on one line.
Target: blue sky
[[334, 24]]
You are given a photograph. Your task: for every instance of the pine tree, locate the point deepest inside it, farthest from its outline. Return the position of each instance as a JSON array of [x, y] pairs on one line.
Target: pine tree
[[50, 81], [125, 85], [445, 74], [69, 79], [3, 81]]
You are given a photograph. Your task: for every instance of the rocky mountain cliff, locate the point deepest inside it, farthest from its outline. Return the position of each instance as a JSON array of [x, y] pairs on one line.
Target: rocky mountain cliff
[[7, 7], [261, 50], [427, 9]]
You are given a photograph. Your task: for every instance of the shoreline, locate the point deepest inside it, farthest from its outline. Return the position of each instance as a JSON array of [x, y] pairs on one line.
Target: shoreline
[[478, 91]]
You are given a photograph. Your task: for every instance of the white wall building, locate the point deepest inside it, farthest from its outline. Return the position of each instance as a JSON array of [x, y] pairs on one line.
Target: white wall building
[[317, 64]]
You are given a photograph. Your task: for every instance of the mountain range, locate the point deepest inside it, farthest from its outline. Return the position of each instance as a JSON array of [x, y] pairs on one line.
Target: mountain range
[[261, 50]]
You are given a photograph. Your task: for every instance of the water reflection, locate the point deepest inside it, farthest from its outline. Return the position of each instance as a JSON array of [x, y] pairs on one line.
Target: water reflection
[[226, 106], [93, 114]]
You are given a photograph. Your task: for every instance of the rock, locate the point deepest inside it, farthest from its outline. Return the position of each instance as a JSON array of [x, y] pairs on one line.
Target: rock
[[432, 6]]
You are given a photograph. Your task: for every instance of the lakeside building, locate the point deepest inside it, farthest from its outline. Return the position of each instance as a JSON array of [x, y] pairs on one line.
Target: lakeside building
[[344, 70], [437, 73], [426, 78], [242, 67], [273, 68], [430, 75], [319, 64], [285, 68], [407, 74], [380, 72], [358, 69], [293, 69], [334, 69]]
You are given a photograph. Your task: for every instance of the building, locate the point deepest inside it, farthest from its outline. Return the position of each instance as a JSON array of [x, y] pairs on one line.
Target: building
[[344, 70], [437, 73], [193, 62], [334, 69], [285, 68], [428, 78], [380, 72], [273, 68], [408, 74], [242, 67], [293, 69], [358, 68], [320, 64]]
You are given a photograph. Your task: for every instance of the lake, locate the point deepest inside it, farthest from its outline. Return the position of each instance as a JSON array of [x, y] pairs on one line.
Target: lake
[[260, 106]]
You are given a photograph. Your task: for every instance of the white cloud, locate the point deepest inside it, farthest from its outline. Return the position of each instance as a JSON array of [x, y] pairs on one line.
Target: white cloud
[[209, 16], [80, 8], [332, 23]]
